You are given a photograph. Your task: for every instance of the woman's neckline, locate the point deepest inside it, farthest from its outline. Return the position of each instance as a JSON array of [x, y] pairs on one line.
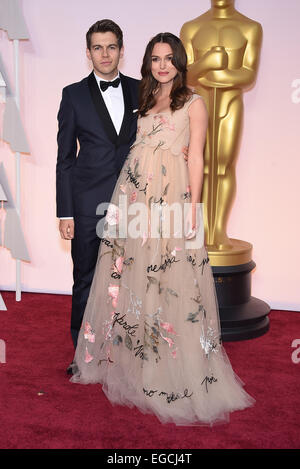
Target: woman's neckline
[[166, 112], [158, 113]]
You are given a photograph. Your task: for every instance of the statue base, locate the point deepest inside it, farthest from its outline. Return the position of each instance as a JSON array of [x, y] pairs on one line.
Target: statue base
[[241, 315], [235, 253]]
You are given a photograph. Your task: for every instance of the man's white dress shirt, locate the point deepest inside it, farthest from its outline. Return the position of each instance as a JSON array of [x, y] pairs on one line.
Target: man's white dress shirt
[[113, 98]]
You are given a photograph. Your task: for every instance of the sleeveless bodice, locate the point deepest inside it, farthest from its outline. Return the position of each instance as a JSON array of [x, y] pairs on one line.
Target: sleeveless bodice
[[165, 130]]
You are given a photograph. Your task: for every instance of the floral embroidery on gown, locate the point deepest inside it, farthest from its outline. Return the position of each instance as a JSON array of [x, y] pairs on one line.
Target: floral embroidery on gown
[[151, 332]]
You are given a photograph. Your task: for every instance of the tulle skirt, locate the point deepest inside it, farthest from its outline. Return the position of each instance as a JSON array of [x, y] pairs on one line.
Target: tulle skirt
[[151, 331]]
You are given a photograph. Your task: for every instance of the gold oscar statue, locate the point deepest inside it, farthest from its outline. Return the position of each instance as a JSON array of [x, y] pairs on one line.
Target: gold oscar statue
[[223, 48]]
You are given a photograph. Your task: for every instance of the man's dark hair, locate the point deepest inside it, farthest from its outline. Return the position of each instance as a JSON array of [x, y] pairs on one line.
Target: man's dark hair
[[105, 26]]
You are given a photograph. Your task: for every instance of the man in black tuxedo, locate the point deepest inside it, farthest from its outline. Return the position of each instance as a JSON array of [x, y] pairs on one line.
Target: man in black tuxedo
[[99, 114]]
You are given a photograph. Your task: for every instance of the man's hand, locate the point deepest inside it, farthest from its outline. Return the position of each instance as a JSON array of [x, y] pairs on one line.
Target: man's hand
[[66, 229]]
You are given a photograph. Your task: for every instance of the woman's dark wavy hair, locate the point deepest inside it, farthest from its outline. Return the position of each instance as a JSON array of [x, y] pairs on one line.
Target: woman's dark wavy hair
[[180, 93]]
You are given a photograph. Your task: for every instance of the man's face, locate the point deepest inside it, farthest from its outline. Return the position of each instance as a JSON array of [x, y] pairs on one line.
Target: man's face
[[105, 54]]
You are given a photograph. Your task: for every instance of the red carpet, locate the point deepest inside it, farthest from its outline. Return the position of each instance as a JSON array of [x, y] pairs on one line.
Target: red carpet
[[40, 408]]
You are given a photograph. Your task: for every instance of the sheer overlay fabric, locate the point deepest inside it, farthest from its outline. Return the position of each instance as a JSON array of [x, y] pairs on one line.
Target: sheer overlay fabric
[[151, 332]]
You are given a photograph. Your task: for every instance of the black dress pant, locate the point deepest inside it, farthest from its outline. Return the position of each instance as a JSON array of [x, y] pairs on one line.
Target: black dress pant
[[84, 250]]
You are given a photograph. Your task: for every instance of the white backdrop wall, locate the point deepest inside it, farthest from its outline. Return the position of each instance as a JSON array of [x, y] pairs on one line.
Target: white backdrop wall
[[266, 209]]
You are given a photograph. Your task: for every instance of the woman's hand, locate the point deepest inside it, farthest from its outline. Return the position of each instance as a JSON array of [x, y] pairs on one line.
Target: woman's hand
[[185, 151], [191, 225]]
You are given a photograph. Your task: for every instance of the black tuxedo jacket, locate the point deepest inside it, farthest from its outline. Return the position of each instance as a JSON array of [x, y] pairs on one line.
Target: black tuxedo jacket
[[85, 180]]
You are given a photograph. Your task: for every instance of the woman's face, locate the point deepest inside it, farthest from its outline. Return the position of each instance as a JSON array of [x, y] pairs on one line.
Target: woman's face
[[161, 63]]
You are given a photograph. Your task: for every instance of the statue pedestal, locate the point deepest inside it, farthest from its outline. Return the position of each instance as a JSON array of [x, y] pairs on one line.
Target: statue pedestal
[[241, 315]]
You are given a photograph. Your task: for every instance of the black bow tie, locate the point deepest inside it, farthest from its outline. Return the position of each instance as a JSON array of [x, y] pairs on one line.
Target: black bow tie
[[106, 84]]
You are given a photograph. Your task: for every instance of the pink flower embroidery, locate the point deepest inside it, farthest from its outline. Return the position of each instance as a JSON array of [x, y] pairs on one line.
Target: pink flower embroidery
[[167, 339], [119, 264], [166, 122], [113, 291], [88, 357], [88, 333], [133, 196], [171, 127], [162, 119], [168, 327], [112, 216], [150, 177], [107, 327], [175, 250], [107, 330], [174, 353]]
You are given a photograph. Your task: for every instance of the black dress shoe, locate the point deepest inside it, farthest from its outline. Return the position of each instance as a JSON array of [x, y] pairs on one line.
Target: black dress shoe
[[72, 369]]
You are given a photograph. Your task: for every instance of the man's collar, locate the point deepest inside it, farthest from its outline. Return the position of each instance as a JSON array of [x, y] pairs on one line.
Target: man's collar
[[102, 79]]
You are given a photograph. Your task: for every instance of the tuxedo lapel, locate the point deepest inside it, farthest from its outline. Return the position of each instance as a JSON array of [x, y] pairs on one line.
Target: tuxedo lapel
[[128, 112], [102, 109]]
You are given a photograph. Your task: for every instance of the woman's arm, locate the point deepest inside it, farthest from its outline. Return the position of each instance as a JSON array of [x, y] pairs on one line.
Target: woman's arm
[[198, 127]]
